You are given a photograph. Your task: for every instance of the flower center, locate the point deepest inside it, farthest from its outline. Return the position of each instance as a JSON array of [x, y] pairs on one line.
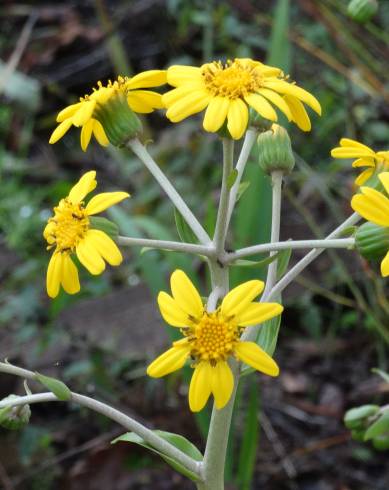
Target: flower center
[[233, 80], [213, 337], [67, 227]]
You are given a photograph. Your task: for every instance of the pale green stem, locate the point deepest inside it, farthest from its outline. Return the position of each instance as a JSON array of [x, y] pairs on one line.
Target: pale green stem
[[276, 178], [221, 220], [190, 248], [287, 245], [248, 143], [142, 153], [124, 420]]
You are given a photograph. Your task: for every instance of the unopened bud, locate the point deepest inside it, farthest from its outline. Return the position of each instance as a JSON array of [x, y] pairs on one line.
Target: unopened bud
[[120, 123], [362, 10], [14, 418], [275, 150], [372, 241]]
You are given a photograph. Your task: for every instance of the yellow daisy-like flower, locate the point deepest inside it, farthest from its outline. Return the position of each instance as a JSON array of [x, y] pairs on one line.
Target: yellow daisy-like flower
[[374, 206], [226, 91], [82, 114], [211, 338], [365, 157], [69, 231]]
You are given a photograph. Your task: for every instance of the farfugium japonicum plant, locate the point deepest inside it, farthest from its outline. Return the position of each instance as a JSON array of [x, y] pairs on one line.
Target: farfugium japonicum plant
[[239, 102]]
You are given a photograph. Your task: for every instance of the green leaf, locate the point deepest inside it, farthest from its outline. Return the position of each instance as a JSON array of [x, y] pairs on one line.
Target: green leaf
[[354, 418], [184, 231], [279, 49], [243, 186], [255, 263], [268, 335], [60, 390], [232, 178], [283, 262], [384, 376], [105, 225], [379, 428], [176, 440], [348, 232]]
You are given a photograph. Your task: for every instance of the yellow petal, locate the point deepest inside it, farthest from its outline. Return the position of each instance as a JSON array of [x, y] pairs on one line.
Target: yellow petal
[[69, 280], [262, 106], [251, 354], [191, 104], [99, 133], [364, 162], [179, 74], [238, 299], [150, 78], [364, 176], [169, 361], [222, 383], [89, 257], [372, 206], [176, 94], [256, 313], [84, 186], [69, 111], [216, 114], [144, 101], [353, 143], [105, 200], [291, 89], [350, 152], [84, 113], [238, 116], [86, 134], [54, 272], [299, 114], [200, 386], [171, 311], [105, 246], [384, 178], [59, 131], [185, 294], [385, 266], [277, 100]]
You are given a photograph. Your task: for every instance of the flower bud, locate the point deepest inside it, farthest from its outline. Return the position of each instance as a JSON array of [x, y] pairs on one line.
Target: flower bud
[[372, 241], [275, 150], [120, 123], [260, 123], [14, 418], [362, 10]]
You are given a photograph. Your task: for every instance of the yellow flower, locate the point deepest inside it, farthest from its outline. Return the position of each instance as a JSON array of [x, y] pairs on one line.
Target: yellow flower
[[374, 206], [226, 91], [70, 232], [365, 157], [82, 114], [211, 338]]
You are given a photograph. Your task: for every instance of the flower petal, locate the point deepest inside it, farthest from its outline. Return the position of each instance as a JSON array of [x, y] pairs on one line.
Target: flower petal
[[99, 133], [238, 299], [54, 272], [283, 87], [262, 106], [188, 105], [84, 113], [149, 78], [216, 114], [356, 144], [385, 266], [200, 386], [169, 361], [69, 279], [351, 152], [104, 200], [59, 131], [176, 94], [84, 186], [384, 178], [171, 311], [238, 116], [185, 294], [69, 111], [256, 313], [180, 74], [299, 114], [363, 162], [364, 176], [372, 205], [222, 383], [89, 257], [251, 354], [105, 246], [277, 100], [86, 134]]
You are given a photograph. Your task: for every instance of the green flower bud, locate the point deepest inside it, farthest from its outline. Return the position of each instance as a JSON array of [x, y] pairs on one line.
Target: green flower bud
[[260, 123], [275, 150], [120, 123], [14, 418], [372, 241], [362, 10]]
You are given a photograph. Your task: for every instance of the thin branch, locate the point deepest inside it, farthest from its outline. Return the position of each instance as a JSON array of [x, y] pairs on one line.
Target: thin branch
[[191, 248]]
